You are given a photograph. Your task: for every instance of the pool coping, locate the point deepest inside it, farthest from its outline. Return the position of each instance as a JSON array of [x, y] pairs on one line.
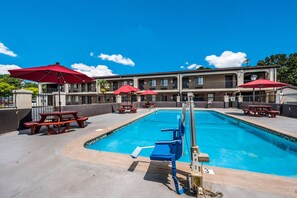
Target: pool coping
[[231, 177], [260, 125]]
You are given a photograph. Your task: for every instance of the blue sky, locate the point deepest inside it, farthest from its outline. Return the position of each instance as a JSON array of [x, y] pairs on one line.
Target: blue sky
[[104, 37]]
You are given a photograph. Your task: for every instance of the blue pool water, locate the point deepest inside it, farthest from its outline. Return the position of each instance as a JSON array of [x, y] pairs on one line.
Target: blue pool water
[[229, 142]]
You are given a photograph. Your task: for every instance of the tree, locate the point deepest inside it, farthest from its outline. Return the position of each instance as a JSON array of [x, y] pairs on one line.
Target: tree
[[287, 72], [104, 87], [7, 84], [15, 82], [5, 89]]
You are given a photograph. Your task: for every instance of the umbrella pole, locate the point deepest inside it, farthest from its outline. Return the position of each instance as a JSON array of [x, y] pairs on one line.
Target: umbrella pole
[[59, 93], [254, 96]]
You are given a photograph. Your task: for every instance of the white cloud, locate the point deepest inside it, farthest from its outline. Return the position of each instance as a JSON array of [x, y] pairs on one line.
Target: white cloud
[[227, 59], [194, 66], [92, 54], [187, 63], [182, 67], [6, 51], [92, 71], [4, 68], [117, 59]]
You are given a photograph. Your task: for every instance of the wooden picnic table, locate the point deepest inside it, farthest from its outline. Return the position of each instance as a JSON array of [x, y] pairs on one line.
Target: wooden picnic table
[[260, 110], [148, 105], [58, 119], [125, 108]]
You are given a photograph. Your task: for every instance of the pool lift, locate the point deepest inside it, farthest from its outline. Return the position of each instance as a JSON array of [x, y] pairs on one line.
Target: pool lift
[[196, 176], [169, 150], [172, 151]]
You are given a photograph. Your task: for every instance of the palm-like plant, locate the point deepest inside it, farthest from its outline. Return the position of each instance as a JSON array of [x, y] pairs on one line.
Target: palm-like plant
[[104, 86]]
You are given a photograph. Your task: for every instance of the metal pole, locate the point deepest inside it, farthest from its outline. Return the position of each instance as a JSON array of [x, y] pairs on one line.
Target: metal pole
[[254, 96], [59, 93], [194, 147], [192, 122]]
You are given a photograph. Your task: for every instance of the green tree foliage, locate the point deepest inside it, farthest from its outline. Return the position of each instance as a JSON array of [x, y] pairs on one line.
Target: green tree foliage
[[287, 72], [7, 84], [15, 82], [5, 88], [104, 86], [33, 89]]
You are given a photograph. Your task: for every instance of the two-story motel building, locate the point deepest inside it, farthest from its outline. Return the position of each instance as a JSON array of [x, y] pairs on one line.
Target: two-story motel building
[[206, 85]]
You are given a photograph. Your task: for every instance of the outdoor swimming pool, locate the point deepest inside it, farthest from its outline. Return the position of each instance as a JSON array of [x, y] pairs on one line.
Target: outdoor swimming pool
[[229, 142]]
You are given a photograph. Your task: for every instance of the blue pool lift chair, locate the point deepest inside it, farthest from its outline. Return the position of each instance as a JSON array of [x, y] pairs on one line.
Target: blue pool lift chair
[[171, 151]]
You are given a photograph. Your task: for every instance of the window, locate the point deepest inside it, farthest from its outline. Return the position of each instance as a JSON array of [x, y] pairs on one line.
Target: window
[[68, 99], [89, 87], [83, 86], [163, 97], [185, 83], [228, 81], [199, 81], [154, 98], [89, 99], [115, 86], [76, 99], [164, 82], [210, 98], [75, 88], [174, 83], [152, 83]]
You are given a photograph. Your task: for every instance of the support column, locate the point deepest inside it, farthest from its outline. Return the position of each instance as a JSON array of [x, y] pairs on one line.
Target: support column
[[138, 98], [267, 98], [39, 88], [22, 98], [240, 98], [135, 82], [226, 101], [66, 88], [62, 97], [240, 77], [118, 98], [178, 98]]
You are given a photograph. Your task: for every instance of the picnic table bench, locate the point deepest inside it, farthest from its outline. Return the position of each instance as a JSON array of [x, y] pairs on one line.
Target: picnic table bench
[[148, 105], [128, 108], [61, 123], [260, 110]]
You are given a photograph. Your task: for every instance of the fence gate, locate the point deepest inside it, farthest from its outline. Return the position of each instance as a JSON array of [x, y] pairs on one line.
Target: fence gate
[[41, 103]]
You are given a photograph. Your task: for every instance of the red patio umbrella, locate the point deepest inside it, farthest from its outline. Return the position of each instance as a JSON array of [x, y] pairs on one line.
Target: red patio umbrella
[[149, 92], [262, 83], [52, 73], [126, 89]]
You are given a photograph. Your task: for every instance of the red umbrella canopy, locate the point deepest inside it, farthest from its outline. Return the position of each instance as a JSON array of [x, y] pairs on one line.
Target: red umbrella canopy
[[125, 89], [263, 83], [51, 73], [149, 92]]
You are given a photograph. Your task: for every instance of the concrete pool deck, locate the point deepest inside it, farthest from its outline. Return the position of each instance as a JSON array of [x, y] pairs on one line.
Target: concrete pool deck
[[59, 166]]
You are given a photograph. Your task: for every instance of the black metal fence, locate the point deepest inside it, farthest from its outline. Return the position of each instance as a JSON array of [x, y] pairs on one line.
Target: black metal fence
[[7, 100], [41, 103]]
